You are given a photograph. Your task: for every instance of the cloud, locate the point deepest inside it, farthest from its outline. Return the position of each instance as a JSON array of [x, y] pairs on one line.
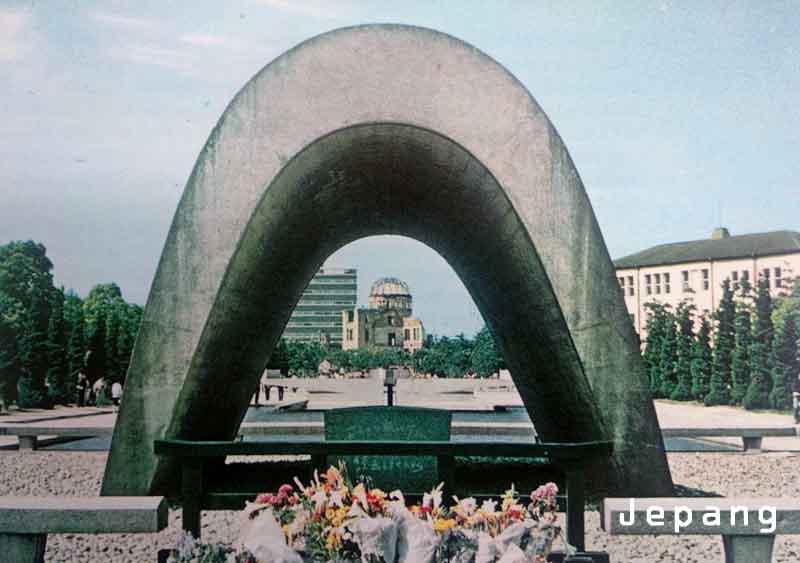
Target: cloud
[[15, 36], [204, 39], [125, 22], [150, 54], [313, 8]]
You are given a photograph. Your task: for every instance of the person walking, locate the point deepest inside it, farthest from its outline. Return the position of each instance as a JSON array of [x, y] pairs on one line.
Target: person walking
[[116, 394], [99, 390], [80, 389], [796, 399]]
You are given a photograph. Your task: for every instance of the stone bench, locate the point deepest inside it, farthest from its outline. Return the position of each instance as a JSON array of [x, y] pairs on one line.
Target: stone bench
[[751, 437], [26, 521], [748, 526], [29, 435]]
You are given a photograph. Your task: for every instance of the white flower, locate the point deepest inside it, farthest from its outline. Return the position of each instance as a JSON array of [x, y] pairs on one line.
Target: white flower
[[319, 499], [468, 505], [433, 500], [489, 506]]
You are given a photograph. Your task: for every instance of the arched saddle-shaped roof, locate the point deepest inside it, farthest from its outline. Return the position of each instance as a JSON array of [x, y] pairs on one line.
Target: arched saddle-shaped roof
[[385, 129]]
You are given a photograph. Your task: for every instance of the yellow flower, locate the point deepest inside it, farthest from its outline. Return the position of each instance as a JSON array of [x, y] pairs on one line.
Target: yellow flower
[[332, 542], [442, 525]]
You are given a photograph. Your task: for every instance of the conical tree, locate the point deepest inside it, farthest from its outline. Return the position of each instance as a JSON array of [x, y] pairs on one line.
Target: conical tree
[[655, 328], [76, 347], [786, 367], [683, 364], [701, 360], [58, 364], [669, 354], [740, 365], [719, 392], [757, 396]]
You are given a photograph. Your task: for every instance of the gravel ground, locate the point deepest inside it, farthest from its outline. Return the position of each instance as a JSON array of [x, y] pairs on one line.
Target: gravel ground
[[80, 474]]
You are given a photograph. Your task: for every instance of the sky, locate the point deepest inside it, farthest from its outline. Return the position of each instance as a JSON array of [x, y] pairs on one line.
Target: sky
[[680, 117]]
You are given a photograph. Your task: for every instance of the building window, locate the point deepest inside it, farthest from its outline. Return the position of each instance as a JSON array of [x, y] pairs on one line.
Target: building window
[[350, 334], [407, 334], [706, 280], [621, 282], [416, 334], [630, 285], [685, 280], [366, 335], [658, 283], [745, 275], [648, 288], [778, 277], [391, 339], [349, 316], [390, 320], [666, 283], [766, 275]]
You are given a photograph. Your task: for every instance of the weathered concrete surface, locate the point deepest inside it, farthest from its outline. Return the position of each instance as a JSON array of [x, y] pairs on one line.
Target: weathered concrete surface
[[371, 130], [82, 515]]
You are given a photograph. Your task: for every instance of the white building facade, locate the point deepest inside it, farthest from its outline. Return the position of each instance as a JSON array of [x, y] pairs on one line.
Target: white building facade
[[694, 271]]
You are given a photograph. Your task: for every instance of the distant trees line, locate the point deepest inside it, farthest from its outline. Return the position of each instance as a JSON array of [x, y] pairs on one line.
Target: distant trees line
[[754, 357], [48, 335], [441, 356]]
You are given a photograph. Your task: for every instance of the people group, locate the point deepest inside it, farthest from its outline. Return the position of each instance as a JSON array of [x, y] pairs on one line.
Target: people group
[[97, 394]]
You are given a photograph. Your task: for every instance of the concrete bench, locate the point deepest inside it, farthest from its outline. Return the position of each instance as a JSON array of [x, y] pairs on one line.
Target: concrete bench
[[751, 437], [26, 521], [29, 435], [748, 526]]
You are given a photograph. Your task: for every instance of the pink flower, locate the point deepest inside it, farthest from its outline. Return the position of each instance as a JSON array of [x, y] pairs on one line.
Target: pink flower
[[547, 491], [265, 498], [285, 490]]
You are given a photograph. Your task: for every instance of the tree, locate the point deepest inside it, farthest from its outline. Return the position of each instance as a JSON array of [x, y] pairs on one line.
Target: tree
[[58, 382], [656, 329], [76, 347], [719, 392], [9, 355], [786, 366], [668, 354], [26, 284], [96, 310], [757, 396], [701, 360], [740, 364], [683, 364], [485, 358], [787, 305]]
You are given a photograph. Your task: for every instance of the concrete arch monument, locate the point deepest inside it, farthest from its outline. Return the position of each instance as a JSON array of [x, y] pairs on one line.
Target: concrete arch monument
[[385, 129]]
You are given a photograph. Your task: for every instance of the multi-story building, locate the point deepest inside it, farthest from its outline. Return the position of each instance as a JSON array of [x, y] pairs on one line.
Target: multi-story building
[[694, 271], [318, 315], [388, 322]]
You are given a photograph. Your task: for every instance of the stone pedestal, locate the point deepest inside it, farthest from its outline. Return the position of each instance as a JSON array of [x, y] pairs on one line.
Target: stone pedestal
[[27, 443], [23, 548], [752, 444], [748, 549]]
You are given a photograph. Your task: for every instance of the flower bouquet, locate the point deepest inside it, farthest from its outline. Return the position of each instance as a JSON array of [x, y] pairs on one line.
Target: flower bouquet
[[512, 532], [330, 520]]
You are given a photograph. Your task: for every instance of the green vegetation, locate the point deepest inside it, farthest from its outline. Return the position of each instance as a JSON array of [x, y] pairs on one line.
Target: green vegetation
[[755, 359], [719, 391], [47, 335], [443, 356]]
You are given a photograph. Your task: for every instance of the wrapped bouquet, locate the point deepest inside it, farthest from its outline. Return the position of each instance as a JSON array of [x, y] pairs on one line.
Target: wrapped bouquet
[[331, 520]]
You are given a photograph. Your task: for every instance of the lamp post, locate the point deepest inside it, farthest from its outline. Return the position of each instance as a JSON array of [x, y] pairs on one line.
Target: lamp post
[[389, 381]]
